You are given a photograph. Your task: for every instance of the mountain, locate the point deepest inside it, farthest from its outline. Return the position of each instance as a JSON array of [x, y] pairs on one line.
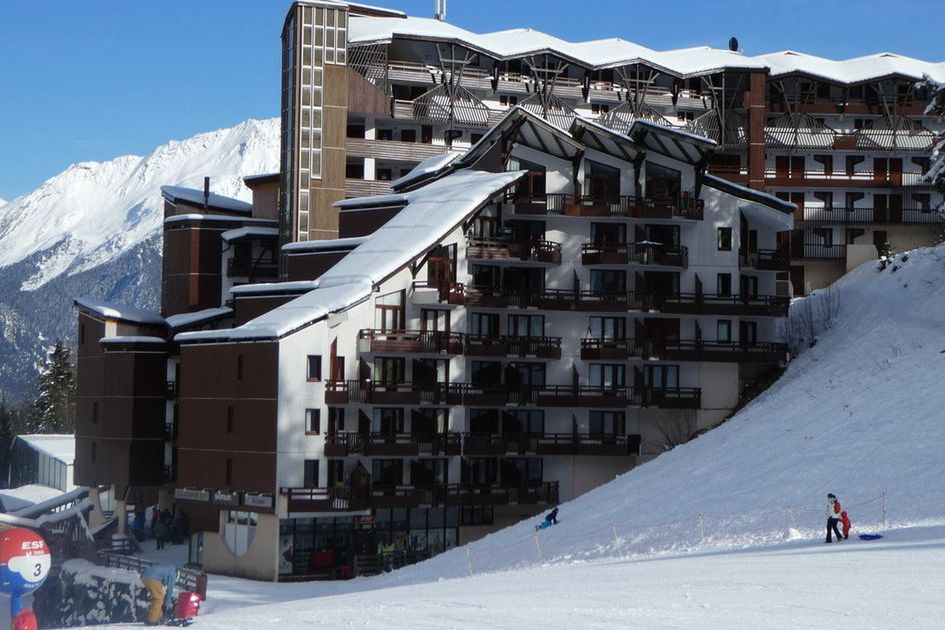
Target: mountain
[[94, 230]]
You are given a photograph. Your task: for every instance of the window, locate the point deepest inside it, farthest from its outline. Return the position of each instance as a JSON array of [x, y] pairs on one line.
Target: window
[[516, 421], [385, 134], [725, 239], [661, 376], [229, 419], [608, 280], [601, 182], [388, 420], [383, 174], [408, 135], [313, 421], [521, 471], [486, 275], [485, 372], [608, 233], [826, 197], [606, 423], [526, 325], [474, 138], [607, 375], [723, 330], [310, 473], [427, 473], [336, 419], [389, 370], [389, 312], [508, 101], [387, 472], [483, 421], [476, 515], [525, 373], [429, 420], [724, 284], [598, 108], [336, 471], [825, 235], [314, 367], [662, 182], [485, 324], [609, 328]]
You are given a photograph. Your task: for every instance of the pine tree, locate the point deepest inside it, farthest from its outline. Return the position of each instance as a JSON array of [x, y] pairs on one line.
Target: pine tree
[[53, 411], [936, 107], [11, 424]]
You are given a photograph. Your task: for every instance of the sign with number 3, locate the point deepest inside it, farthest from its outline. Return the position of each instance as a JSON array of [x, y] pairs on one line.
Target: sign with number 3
[[24, 565]]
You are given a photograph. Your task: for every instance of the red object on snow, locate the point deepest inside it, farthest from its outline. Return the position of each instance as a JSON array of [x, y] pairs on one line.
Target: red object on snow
[[845, 520], [188, 605]]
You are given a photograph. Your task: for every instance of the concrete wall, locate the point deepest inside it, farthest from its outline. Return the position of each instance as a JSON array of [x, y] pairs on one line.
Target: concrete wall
[[260, 562]]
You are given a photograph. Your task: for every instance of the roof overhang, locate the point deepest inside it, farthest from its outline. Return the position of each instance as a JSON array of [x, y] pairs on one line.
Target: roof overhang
[[520, 126], [673, 143]]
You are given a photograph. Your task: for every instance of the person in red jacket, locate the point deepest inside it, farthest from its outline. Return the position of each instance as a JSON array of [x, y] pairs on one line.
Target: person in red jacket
[[833, 517], [845, 521]]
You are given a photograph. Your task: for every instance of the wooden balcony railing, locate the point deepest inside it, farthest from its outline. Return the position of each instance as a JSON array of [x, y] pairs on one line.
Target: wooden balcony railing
[[765, 260], [734, 305], [687, 206], [583, 396], [241, 268], [842, 179], [588, 444], [393, 149], [392, 445], [671, 397], [593, 349], [635, 253], [412, 341], [883, 216], [492, 248], [381, 393], [511, 346], [818, 251], [717, 351]]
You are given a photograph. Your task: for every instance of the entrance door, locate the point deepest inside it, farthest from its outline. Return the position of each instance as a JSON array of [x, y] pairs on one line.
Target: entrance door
[[879, 208], [895, 208], [895, 171]]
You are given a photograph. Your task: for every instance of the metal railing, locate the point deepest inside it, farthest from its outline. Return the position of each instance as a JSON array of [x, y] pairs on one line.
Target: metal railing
[[635, 253], [189, 579], [686, 206], [494, 248], [408, 341], [893, 216], [765, 259]]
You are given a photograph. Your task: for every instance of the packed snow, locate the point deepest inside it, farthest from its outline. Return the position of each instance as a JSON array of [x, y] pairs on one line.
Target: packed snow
[[727, 530], [94, 211], [13, 499]]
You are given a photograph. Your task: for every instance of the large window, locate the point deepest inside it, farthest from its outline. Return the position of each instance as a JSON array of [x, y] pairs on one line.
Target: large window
[[425, 473], [387, 420], [486, 324], [427, 420], [389, 312], [531, 421], [529, 374], [607, 375], [601, 182], [484, 421], [521, 471], [662, 182], [608, 233], [661, 376], [485, 372], [606, 423], [608, 280], [526, 325], [387, 472], [310, 473], [389, 370], [609, 328]]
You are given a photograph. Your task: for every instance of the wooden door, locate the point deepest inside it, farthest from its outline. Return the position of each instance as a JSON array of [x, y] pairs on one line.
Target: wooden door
[[895, 171], [879, 208], [880, 168]]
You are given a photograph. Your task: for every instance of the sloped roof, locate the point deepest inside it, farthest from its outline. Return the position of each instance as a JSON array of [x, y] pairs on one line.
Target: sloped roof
[[604, 53], [111, 310], [195, 197]]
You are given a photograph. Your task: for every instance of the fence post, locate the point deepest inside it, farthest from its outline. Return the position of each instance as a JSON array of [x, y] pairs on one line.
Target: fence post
[[541, 558], [793, 520], [702, 526], [883, 509], [617, 544], [468, 559]]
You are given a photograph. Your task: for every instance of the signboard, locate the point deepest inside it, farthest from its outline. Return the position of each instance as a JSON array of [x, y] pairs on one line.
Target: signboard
[[24, 565], [226, 497], [190, 494], [257, 500]]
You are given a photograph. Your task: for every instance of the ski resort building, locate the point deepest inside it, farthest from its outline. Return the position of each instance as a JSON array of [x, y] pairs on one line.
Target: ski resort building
[[493, 272]]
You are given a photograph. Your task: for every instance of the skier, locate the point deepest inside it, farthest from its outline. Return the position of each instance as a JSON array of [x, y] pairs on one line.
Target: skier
[[160, 580], [845, 520], [833, 517]]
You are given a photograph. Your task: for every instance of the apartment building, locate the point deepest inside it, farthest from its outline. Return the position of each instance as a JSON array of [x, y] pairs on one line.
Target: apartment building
[[493, 272]]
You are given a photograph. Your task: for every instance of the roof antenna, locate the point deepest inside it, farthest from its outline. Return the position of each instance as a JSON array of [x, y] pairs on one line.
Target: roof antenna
[[440, 10], [733, 44]]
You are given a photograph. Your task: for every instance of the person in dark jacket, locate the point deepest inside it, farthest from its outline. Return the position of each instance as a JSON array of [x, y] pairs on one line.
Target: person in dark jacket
[[833, 518], [552, 516]]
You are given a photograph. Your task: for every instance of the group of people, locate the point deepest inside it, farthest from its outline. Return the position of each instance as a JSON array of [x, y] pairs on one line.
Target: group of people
[[837, 516], [164, 527]]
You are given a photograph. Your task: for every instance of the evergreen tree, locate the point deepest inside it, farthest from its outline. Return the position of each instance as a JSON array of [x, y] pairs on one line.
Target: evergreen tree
[[936, 107], [11, 424], [53, 411]]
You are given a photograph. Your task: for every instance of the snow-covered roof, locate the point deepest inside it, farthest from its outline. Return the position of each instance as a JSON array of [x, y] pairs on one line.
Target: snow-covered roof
[[124, 340], [13, 499], [749, 193], [378, 201], [195, 197], [614, 52], [297, 286], [111, 310], [430, 212], [222, 218], [426, 168], [251, 231], [57, 446], [328, 244], [184, 320], [253, 180]]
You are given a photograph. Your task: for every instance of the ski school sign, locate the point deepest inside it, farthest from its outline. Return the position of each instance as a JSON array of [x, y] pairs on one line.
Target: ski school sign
[[24, 564]]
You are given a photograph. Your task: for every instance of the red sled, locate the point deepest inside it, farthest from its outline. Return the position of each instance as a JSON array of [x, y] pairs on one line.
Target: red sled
[[188, 606]]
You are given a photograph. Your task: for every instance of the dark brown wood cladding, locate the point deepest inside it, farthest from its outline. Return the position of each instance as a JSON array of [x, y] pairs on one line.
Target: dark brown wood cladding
[[364, 98], [363, 222], [311, 265], [251, 472], [250, 307], [192, 268]]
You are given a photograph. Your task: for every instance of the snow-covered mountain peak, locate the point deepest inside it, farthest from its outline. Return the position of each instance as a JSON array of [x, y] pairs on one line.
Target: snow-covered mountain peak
[[95, 211]]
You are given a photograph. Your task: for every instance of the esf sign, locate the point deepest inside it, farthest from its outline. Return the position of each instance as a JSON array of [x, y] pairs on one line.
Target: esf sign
[[24, 561]]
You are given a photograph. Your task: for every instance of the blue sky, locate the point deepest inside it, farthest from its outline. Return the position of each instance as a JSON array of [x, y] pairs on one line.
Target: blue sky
[[96, 79]]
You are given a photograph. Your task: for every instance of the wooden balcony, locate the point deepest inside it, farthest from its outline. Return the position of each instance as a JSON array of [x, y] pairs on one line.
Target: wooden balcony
[[343, 499], [687, 206], [717, 351], [491, 394], [412, 342], [392, 445], [765, 260], [393, 149], [365, 187], [242, 268], [732, 305], [671, 397], [588, 444], [493, 445], [832, 252], [380, 393], [859, 179], [872, 216], [583, 396], [480, 248], [509, 346], [608, 349], [635, 253]]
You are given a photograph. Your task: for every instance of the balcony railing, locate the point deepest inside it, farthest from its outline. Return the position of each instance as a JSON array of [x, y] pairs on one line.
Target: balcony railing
[[381, 393], [509, 249], [866, 216], [717, 351], [588, 444], [392, 445], [687, 206], [842, 179], [342, 498], [765, 260], [671, 397], [412, 341], [583, 396], [240, 268], [510, 346], [635, 253], [393, 149], [701, 304], [593, 349], [818, 251]]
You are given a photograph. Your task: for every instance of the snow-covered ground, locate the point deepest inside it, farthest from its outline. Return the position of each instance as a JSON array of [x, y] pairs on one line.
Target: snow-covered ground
[[727, 530]]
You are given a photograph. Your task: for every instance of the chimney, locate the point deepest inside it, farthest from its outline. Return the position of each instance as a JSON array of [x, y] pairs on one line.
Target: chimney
[[440, 10], [206, 192]]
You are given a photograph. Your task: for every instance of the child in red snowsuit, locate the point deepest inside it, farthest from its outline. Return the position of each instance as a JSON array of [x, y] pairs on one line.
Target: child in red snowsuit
[[845, 522]]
